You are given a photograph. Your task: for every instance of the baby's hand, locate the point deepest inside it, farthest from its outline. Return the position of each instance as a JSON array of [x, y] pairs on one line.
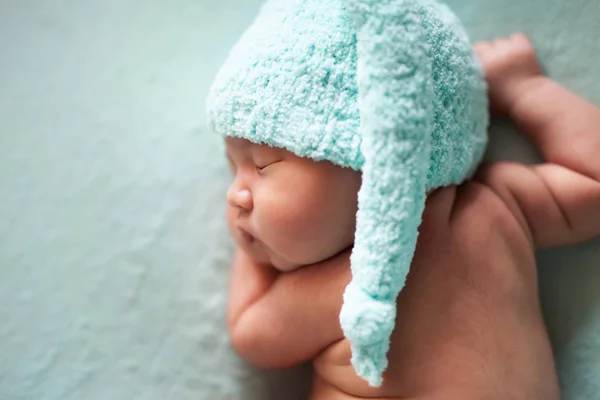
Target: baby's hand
[[278, 320], [510, 67]]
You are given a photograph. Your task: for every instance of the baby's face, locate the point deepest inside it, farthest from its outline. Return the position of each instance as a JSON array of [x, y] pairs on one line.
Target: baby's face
[[289, 211]]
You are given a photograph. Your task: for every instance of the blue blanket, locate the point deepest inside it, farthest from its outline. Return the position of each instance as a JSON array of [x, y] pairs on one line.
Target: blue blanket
[[114, 255]]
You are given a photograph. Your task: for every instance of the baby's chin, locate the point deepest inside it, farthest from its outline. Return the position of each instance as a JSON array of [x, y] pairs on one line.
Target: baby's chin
[[262, 252], [286, 265]]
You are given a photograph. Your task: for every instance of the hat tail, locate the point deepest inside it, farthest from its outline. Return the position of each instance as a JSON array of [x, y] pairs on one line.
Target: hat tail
[[395, 89]]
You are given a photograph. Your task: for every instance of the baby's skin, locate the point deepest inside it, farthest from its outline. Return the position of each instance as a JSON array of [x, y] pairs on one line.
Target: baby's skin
[[293, 220]]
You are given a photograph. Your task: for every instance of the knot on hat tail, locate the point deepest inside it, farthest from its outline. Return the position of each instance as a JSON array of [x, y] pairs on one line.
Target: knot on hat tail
[[368, 323]]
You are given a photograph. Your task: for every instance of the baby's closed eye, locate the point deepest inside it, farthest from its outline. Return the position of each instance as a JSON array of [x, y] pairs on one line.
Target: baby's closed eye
[[265, 157], [262, 164]]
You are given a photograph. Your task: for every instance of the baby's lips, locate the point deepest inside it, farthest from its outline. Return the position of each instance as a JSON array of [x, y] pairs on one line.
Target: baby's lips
[[246, 235]]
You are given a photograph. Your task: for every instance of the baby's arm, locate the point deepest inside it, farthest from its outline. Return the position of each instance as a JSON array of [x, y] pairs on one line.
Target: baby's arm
[[278, 320], [558, 201]]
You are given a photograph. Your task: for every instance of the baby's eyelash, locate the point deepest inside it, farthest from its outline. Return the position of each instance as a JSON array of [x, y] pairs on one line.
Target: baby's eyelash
[[262, 167]]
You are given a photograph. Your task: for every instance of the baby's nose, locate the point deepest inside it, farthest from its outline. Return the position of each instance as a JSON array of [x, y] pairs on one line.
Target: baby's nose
[[240, 198]]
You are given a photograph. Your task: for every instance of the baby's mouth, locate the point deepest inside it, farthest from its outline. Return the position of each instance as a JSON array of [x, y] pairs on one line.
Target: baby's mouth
[[247, 236]]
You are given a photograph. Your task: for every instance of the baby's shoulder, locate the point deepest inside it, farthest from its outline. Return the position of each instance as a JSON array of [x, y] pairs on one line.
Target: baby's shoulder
[[488, 203]]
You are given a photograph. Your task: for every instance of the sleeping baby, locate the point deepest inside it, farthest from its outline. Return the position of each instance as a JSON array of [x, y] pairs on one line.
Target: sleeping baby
[[339, 119]]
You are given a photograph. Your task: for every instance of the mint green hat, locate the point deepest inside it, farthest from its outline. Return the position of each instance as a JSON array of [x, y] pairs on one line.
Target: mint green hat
[[390, 88]]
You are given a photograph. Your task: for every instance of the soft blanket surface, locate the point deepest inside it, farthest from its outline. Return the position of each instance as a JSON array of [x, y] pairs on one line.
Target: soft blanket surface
[[113, 248]]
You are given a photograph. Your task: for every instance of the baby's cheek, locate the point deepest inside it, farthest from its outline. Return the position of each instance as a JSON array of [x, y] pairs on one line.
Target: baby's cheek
[[286, 216], [298, 226]]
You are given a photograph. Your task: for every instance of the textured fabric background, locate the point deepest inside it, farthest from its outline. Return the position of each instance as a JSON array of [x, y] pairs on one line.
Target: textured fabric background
[[113, 249]]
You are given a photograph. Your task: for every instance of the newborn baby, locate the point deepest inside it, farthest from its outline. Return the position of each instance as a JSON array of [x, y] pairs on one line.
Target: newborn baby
[[294, 221], [388, 91]]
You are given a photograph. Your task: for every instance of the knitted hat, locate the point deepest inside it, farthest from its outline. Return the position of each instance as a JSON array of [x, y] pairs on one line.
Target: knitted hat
[[390, 88]]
